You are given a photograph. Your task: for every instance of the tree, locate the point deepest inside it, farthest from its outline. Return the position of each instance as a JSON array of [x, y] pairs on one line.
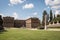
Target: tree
[[1, 23], [43, 20], [58, 15], [47, 19], [51, 15], [54, 16]]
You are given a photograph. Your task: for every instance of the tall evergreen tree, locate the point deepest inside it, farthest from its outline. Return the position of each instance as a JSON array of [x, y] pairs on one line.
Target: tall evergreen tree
[[1, 23], [47, 19], [54, 16], [51, 15], [43, 20]]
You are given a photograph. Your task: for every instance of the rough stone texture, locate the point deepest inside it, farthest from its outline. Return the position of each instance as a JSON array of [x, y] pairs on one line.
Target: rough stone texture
[[57, 25], [29, 23], [32, 23], [8, 21], [19, 23]]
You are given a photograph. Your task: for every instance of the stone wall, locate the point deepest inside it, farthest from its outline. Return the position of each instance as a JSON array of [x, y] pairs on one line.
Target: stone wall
[[19, 23], [54, 25], [8, 21], [29, 23], [32, 23]]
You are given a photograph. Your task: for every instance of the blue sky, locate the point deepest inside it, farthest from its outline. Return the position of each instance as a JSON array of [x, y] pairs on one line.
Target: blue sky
[[23, 9]]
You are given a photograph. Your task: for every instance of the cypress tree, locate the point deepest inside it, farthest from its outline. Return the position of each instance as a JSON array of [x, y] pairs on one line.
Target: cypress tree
[[54, 16], [43, 20], [51, 15]]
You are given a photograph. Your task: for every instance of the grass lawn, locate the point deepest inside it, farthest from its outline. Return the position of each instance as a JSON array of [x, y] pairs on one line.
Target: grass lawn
[[24, 34]]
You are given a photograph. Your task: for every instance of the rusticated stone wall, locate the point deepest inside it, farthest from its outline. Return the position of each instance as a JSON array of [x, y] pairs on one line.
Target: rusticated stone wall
[[19, 23], [32, 23], [8, 21]]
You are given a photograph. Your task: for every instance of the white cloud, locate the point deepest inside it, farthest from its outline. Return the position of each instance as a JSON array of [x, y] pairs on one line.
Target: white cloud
[[27, 17], [14, 2], [15, 15], [54, 4], [26, 6], [55, 7], [35, 13], [24, 18], [2, 14], [10, 5], [57, 12]]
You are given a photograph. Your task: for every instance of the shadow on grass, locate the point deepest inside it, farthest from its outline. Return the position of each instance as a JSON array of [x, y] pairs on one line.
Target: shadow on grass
[[2, 31]]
